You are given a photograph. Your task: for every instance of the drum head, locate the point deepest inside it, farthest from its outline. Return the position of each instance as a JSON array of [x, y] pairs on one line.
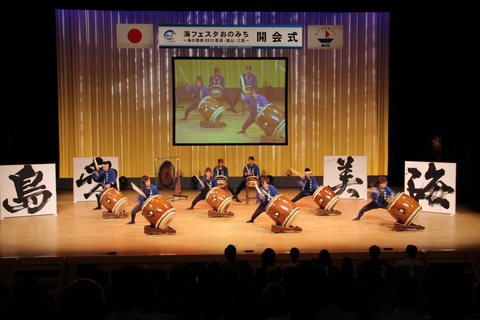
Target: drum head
[[290, 220], [166, 219], [165, 175]]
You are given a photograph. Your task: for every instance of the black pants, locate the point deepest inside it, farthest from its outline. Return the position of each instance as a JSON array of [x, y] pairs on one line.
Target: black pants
[[232, 191], [135, 210], [200, 197], [259, 211], [299, 196], [241, 186], [370, 206]]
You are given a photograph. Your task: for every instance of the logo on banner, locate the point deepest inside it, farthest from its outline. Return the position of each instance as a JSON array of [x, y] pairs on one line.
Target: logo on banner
[[169, 36], [134, 36], [325, 37]]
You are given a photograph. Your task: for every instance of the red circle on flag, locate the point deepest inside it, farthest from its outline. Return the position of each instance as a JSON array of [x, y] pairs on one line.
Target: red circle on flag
[[134, 36]]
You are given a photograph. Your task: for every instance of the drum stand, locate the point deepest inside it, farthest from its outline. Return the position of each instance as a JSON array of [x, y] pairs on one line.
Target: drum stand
[[178, 190], [208, 124], [403, 227], [148, 229], [321, 212], [277, 229], [212, 214], [111, 215]]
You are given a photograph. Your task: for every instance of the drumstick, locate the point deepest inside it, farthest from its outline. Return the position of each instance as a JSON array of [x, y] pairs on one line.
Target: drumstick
[[263, 190], [296, 172], [138, 190], [186, 80], [373, 190], [96, 164], [201, 182], [243, 84]]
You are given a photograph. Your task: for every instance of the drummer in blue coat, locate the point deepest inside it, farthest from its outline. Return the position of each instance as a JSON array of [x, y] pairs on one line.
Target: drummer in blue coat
[[148, 190], [221, 170], [307, 185], [267, 192], [255, 103], [250, 169], [380, 195], [198, 92], [206, 183], [107, 177]]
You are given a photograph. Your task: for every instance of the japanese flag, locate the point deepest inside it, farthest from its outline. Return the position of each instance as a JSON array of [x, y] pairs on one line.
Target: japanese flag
[[134, 36]]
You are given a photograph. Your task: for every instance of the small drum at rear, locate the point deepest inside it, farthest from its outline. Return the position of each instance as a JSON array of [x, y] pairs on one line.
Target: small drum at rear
[[252, 181], [113, 200], [325, 198], [404, 208], [248, 90], [271, 120], [218, 199], [158, 211], [211, 109], [282, 211], [216, 91], [222, 181]]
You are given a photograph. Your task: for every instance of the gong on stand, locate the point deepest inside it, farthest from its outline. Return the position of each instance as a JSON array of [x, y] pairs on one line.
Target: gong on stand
[[165, 173], [166, 176]]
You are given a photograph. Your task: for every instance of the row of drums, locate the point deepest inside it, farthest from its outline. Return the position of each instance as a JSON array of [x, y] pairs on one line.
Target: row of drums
[[281, 210], [270, 118]]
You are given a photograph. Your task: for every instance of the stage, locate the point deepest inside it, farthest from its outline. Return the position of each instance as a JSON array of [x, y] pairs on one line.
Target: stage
[[78, 230]]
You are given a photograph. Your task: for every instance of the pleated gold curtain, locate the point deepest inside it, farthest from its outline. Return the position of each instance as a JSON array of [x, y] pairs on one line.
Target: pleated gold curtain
[[118, 102]]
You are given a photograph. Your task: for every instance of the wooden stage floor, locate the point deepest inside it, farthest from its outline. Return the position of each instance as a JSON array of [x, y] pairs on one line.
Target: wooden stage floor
[[78, 230]]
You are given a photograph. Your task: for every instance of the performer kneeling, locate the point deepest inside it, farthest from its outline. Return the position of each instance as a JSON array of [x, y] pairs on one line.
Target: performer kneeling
[[267, 193], [379, 197], [148, 190], [307, 185], [204, 185]]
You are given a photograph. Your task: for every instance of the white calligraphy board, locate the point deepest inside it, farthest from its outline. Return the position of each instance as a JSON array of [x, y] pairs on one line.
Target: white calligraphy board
[[346, 176], [28, 190], [432, 185], [84, 187]]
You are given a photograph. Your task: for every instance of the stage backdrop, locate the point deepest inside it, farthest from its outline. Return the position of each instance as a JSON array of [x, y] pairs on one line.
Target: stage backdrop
[[120, 100], [84, 187], [432, 184], [28, 190], [347, 176]]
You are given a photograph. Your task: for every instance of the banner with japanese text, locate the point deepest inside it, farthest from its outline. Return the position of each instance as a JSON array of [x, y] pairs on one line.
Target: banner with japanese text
[[85, 188], [432, 185], [346, 176], [28, 190], [234, 36]]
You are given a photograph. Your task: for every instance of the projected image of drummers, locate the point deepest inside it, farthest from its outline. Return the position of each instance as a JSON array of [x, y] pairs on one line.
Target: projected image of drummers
[[255, 103], [247, 81], [216, 83], [198, 92]]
